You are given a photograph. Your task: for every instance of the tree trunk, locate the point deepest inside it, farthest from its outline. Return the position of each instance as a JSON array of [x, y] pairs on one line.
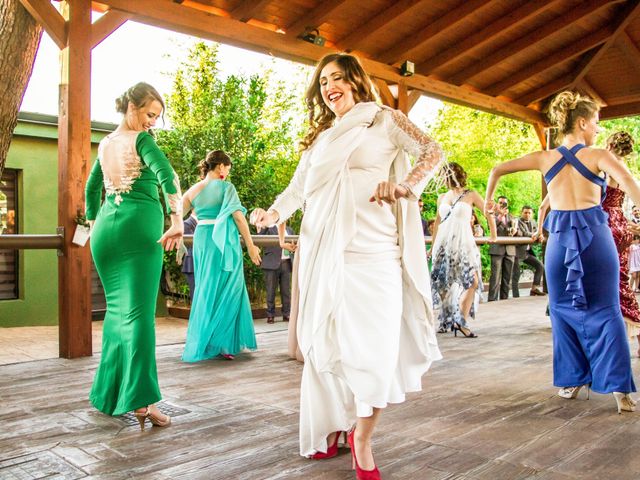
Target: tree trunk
[[19, 39]]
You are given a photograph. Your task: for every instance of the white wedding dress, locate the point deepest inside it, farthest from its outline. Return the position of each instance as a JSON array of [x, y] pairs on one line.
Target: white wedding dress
[[365, 326]]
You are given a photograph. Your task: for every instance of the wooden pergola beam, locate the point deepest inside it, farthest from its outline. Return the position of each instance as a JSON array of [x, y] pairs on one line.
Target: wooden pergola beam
[[413, 97], [315, 17], [564, 82], [74, 162], [529, 40], [106, 25], [630, 50], [386, 96], [592, 92], [617, 111], [247, 8], [167, 14], [630, 11], [584, 44], [46, 15], [507, 22], [371, 28], [405, 48]]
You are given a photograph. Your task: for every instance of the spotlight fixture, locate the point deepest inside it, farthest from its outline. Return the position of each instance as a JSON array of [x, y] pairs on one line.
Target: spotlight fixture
[[312, 35], [407, 68]]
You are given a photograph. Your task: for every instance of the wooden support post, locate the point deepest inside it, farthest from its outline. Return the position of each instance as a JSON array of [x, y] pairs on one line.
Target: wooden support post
[[402, 102], [74, 160], [385, 93]]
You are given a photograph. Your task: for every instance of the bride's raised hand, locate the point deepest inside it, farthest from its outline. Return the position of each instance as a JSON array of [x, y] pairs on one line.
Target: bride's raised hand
[[263, 219], [388, 192]]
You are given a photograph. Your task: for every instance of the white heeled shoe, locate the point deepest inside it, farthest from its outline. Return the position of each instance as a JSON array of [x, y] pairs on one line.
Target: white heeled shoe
[[572, 392], [624, 402]]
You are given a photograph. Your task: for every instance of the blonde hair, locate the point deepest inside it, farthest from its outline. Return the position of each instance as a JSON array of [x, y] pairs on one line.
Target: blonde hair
[[320, 115], [567, 107], [620, 143]]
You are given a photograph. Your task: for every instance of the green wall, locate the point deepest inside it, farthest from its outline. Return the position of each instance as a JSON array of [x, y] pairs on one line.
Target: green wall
[[34, 151]]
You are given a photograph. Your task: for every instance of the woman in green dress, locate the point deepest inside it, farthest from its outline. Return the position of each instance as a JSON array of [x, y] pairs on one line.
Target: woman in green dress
[[126, 244], [220, 322]]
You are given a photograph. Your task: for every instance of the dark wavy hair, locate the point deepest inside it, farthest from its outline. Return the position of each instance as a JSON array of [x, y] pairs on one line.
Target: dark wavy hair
[[212, 160], [320, 115]]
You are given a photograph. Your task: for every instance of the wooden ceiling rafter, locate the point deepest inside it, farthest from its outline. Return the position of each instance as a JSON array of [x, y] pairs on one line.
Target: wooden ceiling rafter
[[106, 25], [628, 13], [373, 26], [586, 87], [508, 21], [617, 111], [528, 40], [411, 43], [630, 50], [315, 17], [247, 9], [561, 83], [50, 18], [550, 60], [166, 14]]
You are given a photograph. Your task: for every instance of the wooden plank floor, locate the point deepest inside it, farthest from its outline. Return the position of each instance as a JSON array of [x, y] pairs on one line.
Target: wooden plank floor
[[488, 411]]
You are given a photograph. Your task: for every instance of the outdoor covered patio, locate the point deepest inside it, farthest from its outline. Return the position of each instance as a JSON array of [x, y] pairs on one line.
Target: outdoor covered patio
[[488, 411]]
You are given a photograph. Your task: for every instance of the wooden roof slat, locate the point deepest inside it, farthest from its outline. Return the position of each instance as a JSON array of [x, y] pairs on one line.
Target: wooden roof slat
[[617, 111], [50, 19], [629, 12], [315, 17], [360, 35], [584, 44], [562, 83], [592, 92], [106, 25], [503, 24], [248, 8], [403, 50], [629, 48], [528, 40]]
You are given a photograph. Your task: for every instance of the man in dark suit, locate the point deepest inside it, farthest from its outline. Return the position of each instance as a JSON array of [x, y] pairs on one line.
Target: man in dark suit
[[187, 261], [276, 268], [502, 256], [527, 227]]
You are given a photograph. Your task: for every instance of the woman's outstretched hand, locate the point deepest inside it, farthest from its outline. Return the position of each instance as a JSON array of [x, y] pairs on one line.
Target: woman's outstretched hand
[[254, 254], [263, 219], [172, 238], [388, 192], [489, 207]]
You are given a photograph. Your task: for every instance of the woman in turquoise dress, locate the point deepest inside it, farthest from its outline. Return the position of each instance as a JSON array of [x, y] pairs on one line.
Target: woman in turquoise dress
[[127, 243], [220, 322]]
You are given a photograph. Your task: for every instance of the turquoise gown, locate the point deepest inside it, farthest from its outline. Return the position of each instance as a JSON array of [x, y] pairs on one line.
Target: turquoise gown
[[220, 321]]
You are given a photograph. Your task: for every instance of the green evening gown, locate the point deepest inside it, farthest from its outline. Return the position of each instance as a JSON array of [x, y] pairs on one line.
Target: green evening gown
[[128, 258], [220, 321]]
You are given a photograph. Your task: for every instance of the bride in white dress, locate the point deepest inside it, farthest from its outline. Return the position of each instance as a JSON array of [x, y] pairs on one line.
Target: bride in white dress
[[456, 268], [365, 328]]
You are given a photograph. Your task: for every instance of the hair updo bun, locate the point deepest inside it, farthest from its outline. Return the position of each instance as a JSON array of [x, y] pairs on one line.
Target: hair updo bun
[[139, 95], [567, 107], [212, 160], [620, 143]]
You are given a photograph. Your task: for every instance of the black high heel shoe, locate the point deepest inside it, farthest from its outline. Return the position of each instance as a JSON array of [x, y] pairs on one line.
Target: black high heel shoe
[[464, 330]]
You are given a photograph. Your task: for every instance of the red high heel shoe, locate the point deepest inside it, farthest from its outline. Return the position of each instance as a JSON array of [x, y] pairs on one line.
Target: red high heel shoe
[[332, 450], [360, 473]]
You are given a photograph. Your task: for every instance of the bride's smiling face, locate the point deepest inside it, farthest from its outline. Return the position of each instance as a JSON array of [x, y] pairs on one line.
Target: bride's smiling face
[[335, 90]]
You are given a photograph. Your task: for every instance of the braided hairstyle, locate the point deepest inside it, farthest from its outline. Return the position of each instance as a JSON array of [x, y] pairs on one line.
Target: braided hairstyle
[[139, 95], [567, 107], [620, 143], [212, 160]]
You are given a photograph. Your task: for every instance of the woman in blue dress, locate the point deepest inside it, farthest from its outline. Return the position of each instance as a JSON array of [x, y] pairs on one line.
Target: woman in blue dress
[[590, 347], [220, 322]]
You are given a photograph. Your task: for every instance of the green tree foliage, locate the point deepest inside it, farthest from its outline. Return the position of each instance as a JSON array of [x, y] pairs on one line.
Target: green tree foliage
[[478, 141], [256, 120], [628, 124]]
